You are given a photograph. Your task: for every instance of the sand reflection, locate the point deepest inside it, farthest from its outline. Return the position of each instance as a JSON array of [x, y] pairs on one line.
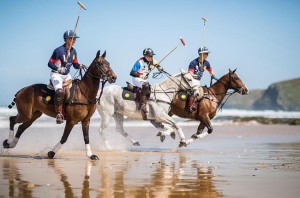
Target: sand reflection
[[128, 174]]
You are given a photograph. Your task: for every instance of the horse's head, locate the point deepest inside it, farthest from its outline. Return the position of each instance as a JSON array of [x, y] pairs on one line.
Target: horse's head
[[190, 83], [234, 82], [102, 68]]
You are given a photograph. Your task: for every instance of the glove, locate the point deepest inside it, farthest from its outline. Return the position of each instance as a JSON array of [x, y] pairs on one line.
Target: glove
[[214, 77], [159, 68], [144, 76], [82, 66], [61, 70]]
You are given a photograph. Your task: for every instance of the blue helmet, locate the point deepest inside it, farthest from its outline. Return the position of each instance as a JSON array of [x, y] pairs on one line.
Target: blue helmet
[[203, 50], [69, 34], [148, 51]]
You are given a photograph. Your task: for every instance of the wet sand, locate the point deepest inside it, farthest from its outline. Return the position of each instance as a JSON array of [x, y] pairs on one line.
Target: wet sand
[[234, 161]]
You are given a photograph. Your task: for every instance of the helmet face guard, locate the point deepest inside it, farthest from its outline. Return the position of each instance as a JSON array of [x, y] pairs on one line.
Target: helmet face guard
[[69, 34], [148, 52]]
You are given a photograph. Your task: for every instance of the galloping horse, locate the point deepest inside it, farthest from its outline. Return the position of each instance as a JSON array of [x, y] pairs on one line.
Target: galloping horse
[[113, 105], [31, 105], [208, 105]]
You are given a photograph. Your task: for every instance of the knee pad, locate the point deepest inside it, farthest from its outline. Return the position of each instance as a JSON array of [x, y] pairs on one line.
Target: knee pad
[[146, 88]]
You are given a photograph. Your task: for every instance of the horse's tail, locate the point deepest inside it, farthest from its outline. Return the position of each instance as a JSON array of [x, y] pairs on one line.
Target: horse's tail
[[12, 103]]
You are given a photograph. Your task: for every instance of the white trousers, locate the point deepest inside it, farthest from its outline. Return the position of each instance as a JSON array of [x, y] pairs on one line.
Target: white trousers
[[138, 81], [58, 79]]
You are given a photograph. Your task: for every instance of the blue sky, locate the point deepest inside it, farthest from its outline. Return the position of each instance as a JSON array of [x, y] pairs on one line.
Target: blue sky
[[259, 38]]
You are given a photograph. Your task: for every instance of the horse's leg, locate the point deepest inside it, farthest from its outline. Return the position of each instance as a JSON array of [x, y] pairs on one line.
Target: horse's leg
[[199, 134], [163, 130], [12, 141], [204, 122], [85, 130], [165, 118], [68, 128], [105, 118], [119, 119]]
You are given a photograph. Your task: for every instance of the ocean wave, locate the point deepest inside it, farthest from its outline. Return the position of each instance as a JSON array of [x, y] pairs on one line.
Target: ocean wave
[[45, 121]]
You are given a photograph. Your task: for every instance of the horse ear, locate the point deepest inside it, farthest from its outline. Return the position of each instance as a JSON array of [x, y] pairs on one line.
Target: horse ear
[[234, 70], [230, 70], [104, 54], [98, 54]]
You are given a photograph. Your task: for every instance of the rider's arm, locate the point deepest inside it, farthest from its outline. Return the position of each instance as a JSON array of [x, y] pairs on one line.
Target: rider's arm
[[192, 70], [53, 60], [75, 63], [209, 68], [135, 69]]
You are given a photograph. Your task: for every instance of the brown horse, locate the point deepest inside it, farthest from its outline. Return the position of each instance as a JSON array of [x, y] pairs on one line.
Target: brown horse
[[208, 105], [81, 104]]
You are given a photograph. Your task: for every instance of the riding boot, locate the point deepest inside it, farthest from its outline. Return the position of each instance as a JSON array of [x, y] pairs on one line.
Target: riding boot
[[58, 101], [191, 105], [143, 102]]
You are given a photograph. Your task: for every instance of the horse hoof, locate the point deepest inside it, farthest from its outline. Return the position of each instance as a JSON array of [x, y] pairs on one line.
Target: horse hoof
[[159, 133], [51, 154], [5, 144], [181, 144], [162, 138], [194, 136], [94, 157], [136, 144], [173, 135]]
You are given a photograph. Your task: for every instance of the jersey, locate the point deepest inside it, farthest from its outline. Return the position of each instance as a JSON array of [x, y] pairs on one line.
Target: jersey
[[59, 59], [197, 68]]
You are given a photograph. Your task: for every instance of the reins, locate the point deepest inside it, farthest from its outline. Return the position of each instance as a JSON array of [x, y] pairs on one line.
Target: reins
[[103, 78]]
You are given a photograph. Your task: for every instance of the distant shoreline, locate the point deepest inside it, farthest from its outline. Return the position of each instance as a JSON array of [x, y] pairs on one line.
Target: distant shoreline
[[261, 120]]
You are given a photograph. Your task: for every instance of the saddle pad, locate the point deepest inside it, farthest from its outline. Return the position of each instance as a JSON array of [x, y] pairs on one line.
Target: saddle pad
[[127, 95], [48, 94]]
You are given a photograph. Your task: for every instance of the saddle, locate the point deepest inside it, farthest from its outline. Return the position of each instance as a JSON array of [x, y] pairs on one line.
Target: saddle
[[132, 92]]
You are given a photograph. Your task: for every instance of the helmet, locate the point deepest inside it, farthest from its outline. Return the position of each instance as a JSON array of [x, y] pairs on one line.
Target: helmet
[[148, 51], [69, 34], [203, 50]]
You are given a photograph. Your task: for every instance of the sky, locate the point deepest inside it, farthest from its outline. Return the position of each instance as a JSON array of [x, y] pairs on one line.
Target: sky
[[259, 38]]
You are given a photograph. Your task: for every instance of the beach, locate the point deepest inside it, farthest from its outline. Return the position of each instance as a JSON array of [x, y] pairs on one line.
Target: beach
[[236, 160]]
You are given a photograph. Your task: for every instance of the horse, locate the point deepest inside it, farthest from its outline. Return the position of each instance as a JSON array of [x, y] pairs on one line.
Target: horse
[[113, 105], [81, 105], [209, 103]]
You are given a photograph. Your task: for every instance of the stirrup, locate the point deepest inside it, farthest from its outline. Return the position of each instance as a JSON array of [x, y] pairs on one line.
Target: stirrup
[[59, 118]]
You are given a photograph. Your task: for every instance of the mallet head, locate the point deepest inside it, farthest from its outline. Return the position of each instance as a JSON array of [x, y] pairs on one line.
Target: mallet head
[[182, 41], [81, 5]]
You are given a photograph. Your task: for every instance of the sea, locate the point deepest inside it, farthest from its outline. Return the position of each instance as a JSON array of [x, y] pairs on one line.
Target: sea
[[220, 119]]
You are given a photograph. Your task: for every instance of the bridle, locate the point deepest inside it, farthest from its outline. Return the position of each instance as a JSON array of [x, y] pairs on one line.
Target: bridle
[[104, 77], [228, 84], [179, 83]]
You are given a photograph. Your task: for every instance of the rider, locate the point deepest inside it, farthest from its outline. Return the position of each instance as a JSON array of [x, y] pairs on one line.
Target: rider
[[140, 71], [60, 63], [196, 68]]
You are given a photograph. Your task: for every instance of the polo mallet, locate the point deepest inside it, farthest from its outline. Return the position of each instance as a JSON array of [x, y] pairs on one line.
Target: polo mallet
[[181, 42], [81, 7], [204, 21]]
